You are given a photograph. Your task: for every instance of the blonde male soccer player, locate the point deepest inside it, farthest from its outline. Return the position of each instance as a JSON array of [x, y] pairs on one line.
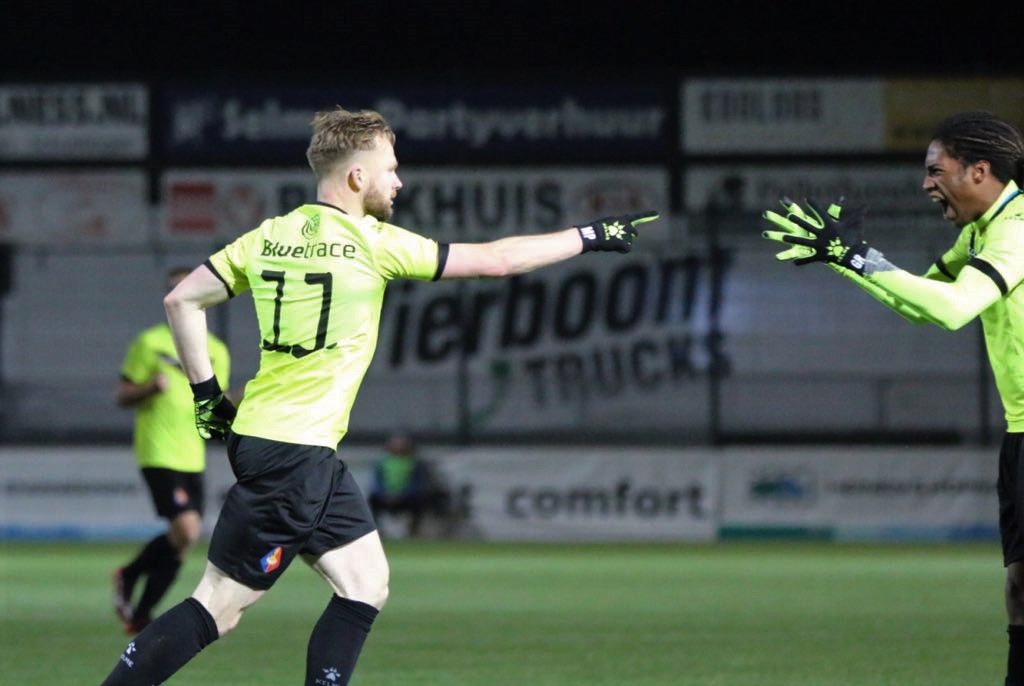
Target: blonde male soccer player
[[171, 456], [974, 170], [317, 277]]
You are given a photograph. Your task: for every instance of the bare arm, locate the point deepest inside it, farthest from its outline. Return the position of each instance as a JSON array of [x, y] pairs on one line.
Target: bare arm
[[512, 255], [186, 313], [130, 394]]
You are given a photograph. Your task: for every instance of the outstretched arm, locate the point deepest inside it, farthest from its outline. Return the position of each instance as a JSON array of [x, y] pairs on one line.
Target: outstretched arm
[[905, 310], [521, 254], [825, 236], [512, 255], [949, 305]]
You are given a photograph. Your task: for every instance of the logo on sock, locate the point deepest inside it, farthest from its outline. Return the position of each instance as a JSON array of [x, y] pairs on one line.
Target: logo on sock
[[331, 675], [271, 560], [128, 651]]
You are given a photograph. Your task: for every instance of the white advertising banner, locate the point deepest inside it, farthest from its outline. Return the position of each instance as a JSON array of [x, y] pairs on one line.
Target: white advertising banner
[[789, 116], [585, 494], [564, 494], [74, 121], [502, 494], [97, 492], [869, 493], [448, 204], [64, 207], [73, 493]]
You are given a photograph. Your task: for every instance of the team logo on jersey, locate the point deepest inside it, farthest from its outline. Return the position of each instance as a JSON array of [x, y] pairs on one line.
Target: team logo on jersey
[[311, 229], [271, 560]]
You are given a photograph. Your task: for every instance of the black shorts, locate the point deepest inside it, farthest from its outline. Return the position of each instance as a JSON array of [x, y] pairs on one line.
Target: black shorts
[[175, 492], [1011, 497], [288, 499]]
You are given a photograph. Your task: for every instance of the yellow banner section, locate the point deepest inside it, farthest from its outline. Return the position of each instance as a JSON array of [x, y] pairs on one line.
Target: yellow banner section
[[915, 106]]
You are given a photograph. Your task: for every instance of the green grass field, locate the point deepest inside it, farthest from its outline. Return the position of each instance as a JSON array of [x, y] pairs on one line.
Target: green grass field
[[471, 614]]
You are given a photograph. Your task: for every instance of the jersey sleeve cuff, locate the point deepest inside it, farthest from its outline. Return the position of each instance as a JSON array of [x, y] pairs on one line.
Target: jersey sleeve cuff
[[442, 260], [213, 270], [991, 272], [944, 270]]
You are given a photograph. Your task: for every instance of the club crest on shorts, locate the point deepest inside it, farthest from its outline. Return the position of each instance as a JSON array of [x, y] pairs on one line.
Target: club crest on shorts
[[271, 560]]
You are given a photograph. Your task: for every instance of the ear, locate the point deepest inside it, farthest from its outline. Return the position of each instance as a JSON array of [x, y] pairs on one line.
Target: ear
[[356, 177], [980, 171]]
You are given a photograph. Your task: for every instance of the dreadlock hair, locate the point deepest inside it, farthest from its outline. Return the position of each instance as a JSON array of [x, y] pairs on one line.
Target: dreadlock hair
[[979, 135]]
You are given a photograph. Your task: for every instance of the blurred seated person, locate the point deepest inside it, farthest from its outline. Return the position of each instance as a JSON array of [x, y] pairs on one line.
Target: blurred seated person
[[403, 483]]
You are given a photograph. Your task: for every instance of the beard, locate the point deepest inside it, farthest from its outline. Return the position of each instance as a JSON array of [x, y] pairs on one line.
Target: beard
[[377, 205]]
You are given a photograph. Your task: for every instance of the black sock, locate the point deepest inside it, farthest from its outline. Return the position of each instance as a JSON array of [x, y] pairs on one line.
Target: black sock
[[336, 641], [161, 576], [174, 638], [1015, 661], [147, 558]]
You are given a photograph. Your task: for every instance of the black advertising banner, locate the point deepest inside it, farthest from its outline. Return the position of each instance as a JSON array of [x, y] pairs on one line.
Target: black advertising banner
[[437, 125]]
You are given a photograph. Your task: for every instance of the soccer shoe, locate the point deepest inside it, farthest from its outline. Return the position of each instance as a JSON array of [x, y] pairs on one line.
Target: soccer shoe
[[122, 603]]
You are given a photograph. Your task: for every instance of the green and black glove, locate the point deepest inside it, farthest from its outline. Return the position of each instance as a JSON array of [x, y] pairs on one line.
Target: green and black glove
[[214, 412], [819, 236], [613, 233]]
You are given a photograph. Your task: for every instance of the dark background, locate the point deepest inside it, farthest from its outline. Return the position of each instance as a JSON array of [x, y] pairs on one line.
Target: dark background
[[620, 39]]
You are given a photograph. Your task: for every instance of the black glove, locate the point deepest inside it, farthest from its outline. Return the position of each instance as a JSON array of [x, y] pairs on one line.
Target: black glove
[[823, 236], [214, 412], [613, 233]]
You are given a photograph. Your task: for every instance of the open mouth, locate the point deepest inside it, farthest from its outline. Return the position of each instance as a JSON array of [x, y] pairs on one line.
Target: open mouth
[[943, 203]]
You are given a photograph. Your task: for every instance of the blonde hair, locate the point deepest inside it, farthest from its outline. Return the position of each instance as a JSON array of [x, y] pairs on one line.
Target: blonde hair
[[338, 133]]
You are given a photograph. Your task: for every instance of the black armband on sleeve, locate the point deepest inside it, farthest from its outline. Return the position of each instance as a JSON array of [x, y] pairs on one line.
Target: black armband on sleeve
[[442, 260], [944, 270], [991, 272], [209, 265]]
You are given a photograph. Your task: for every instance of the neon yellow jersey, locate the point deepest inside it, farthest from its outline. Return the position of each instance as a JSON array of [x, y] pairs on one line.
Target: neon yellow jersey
[[317, 277], [994, 244], [165, 430]]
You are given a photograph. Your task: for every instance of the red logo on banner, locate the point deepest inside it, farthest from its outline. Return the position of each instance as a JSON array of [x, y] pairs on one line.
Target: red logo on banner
[[192, 207]]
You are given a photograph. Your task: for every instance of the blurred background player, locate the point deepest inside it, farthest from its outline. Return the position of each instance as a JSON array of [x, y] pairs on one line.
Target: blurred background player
[[974, 171], [403, 483], [171, 456]]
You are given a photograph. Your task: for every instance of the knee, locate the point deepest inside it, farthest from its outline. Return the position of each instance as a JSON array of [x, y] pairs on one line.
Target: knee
[[225, 599], [185, 531], [226, 623], [373, 592], [382, 595], [225, 616]]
